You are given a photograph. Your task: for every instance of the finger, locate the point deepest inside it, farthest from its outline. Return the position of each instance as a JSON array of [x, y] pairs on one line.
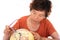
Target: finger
[[7, 27], [33, 32]]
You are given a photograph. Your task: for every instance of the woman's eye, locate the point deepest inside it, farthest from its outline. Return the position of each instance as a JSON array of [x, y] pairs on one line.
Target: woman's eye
[[42, 15], [34, 13]]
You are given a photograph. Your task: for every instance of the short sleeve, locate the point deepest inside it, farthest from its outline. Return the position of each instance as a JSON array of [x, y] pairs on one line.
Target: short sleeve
[[50, 27], [19, 23]]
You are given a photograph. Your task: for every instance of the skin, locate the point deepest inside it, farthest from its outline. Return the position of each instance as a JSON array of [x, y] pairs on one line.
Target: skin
[[37, 16]]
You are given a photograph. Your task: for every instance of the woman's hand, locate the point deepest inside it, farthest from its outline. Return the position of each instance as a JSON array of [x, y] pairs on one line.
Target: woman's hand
[[8, 30], [36, 35], [7, 33]]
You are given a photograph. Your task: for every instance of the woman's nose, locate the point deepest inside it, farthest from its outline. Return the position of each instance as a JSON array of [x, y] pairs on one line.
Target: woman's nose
[[36, 16]]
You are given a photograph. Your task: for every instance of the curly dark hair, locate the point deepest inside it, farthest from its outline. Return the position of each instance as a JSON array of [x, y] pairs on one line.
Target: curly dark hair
[[41, 5]]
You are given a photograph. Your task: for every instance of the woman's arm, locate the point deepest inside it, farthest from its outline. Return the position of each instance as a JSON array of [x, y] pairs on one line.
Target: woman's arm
[[54, 36]]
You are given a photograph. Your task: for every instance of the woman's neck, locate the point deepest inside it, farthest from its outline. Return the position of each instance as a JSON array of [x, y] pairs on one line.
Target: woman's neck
[[32, 25], [33, 21]]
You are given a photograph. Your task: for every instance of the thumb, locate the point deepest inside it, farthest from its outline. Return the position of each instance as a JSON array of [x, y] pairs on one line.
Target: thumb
[[7, 26], [10, 29]]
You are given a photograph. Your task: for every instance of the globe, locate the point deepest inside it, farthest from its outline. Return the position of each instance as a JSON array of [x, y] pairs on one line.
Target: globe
[[22, 34]]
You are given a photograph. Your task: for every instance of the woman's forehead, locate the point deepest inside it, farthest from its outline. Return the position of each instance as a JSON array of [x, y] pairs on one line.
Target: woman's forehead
[[39, 12]]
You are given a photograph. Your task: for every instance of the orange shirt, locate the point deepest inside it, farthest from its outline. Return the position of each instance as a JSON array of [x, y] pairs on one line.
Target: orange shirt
[[45, 29]]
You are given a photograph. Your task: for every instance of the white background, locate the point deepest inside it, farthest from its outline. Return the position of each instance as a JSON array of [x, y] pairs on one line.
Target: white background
[[14, 9]]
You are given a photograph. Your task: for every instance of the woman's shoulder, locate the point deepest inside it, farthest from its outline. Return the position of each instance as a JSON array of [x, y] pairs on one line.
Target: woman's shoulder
[[46, 21]]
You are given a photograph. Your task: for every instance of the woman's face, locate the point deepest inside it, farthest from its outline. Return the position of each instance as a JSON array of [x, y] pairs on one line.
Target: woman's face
[[37, 15]]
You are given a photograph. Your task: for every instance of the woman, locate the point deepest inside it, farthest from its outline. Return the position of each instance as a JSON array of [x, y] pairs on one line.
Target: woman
[[36, 22]]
